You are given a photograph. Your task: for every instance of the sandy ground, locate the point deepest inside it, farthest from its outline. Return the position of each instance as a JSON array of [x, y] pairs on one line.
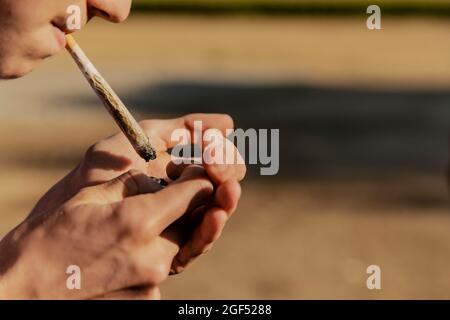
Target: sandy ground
[[364, 121]]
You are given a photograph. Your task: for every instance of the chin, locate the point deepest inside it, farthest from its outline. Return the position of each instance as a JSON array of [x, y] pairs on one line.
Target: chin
[[16, 69], [12, 75]]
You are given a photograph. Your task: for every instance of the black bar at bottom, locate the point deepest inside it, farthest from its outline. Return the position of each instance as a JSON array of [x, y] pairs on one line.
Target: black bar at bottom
[[225, 309]]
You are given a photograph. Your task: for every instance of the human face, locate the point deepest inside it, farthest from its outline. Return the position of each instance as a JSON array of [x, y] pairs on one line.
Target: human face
[[32, 30]]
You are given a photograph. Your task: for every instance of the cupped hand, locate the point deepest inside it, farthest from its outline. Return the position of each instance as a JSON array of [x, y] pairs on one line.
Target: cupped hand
[[114, 156]]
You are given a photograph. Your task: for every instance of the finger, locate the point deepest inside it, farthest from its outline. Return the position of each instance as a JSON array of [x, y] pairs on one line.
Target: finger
[[116, 155], [161, 130], [222, 160], [174, 170], [129, 184], [203, 237], [166, 206], [112, 157], [181, 231], [227, 196], [159, 167], [207, 225]]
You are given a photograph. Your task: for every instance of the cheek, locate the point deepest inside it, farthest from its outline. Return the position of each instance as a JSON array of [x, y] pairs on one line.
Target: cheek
[[26, 35], [31, 14], [19, 18]]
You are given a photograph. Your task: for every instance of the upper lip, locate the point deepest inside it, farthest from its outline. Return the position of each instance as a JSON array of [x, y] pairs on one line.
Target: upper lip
[[62, 26]]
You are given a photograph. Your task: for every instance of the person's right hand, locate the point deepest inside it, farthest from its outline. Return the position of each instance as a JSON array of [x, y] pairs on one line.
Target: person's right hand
[[111, 231]]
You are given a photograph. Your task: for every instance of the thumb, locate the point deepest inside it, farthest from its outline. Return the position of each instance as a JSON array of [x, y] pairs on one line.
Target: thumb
[[191, 190]]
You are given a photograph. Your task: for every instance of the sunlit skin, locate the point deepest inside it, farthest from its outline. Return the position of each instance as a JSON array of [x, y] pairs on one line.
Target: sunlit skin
[[123, 229], [31, 30]]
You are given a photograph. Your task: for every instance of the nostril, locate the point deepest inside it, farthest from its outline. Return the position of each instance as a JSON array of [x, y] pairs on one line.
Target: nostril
[[111, 12], [104, 14], [99, 13]]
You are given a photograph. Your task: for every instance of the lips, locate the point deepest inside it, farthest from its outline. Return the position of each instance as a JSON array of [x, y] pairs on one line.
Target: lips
[[60, 35]]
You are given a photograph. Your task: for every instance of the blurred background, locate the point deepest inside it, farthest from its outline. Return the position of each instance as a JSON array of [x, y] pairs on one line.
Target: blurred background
[[364, 118]]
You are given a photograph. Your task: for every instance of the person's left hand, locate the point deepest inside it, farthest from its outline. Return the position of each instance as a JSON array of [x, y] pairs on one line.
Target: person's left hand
[[114, 156]]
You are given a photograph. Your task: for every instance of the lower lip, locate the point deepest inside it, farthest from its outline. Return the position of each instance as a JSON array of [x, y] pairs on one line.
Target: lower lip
[[60, 37]]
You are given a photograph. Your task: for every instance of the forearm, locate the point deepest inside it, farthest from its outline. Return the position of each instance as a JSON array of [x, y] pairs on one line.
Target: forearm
[[12, 286], [29, 270], [12, 276]]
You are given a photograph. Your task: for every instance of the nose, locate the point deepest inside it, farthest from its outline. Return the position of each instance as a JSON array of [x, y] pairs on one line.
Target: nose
[[111, 10]]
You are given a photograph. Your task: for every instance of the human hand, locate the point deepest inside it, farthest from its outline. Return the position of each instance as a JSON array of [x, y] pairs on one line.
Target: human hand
[[114, 156], [110, 230]]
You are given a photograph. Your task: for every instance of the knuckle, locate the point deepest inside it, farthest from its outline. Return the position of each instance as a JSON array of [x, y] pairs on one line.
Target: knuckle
[[91, 150], [153, 272], [131, 181], [126, 222], [95, 148], [134, 224], [89, 155], [93, 153]]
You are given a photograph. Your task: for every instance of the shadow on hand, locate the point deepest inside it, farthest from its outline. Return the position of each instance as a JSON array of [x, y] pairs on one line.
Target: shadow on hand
[[101, 160], [107, 161]]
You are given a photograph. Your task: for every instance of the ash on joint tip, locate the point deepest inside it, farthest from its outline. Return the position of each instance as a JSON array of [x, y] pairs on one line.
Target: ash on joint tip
[[148, 154]]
